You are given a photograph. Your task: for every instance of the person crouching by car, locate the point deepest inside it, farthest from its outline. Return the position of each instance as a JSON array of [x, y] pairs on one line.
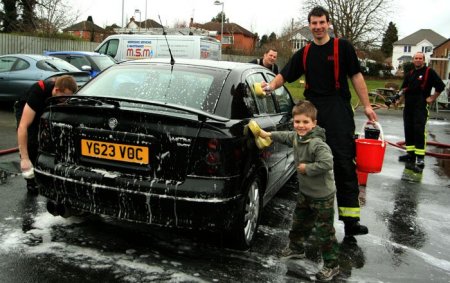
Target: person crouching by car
[[28, 121]]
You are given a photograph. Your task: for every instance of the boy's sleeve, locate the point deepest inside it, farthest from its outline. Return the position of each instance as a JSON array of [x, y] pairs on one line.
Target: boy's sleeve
[[284, 137], [323, 160]]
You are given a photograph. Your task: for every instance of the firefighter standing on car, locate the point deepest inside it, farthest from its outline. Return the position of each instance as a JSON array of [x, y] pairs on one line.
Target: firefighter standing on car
[[326, 63], [416, 88]]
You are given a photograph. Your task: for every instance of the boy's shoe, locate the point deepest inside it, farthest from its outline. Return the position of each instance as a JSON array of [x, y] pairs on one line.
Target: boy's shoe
[[409, 157], [327, 273], [353, 228], [288, 253]]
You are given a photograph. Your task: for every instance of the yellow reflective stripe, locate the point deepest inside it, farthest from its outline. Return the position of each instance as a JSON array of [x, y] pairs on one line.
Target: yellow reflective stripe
[[410, 148], [420, 151], [349, 211]]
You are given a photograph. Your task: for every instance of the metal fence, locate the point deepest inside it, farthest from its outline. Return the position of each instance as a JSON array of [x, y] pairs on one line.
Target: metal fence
[[10, 44]]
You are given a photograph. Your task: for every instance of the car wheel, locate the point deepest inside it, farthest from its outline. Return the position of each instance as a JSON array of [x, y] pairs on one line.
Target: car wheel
[[247, 222]]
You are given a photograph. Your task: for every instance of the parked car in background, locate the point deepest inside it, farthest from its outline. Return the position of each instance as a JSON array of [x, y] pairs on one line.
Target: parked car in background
[[91, 62], [167, 145], [19, 71]]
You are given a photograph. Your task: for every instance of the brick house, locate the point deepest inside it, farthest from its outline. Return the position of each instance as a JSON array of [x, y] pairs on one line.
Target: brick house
[[440, 59], [87, 30], [236, 39]]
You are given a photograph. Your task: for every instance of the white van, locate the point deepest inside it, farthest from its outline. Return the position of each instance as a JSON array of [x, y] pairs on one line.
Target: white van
[[139, 46]]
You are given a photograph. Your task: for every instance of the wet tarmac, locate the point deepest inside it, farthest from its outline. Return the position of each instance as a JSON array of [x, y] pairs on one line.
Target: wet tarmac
[[408, 216]]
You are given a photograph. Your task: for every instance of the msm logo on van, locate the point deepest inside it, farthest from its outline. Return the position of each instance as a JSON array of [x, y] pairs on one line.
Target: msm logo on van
[[134, 50]]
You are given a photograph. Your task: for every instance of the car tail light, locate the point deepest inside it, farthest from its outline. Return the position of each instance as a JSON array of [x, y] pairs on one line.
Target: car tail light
[[212, 159]]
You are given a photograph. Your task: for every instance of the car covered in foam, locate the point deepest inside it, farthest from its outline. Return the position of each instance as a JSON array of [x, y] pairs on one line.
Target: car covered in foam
[[167, 144]]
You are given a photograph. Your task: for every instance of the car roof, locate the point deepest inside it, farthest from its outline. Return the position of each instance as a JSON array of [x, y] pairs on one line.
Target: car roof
[[194, 62], [36, 57], [89, 53]]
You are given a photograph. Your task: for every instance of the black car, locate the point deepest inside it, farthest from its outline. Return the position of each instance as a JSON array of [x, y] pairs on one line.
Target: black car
[[167, 144]]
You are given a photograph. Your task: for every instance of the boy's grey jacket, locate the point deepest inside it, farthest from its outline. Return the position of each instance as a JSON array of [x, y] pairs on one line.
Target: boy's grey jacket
[[318, 182]]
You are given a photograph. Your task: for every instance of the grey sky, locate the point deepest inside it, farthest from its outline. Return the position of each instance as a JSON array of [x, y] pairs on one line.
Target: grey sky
[[262, 16]]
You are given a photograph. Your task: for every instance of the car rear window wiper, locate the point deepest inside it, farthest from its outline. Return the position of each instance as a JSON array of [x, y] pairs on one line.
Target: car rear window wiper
[[51, 65]]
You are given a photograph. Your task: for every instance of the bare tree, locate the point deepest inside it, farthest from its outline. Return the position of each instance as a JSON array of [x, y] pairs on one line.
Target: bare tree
[[54, 15], [362, 22]]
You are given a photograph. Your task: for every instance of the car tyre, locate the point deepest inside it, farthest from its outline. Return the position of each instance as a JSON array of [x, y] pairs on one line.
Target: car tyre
[[246, 224]]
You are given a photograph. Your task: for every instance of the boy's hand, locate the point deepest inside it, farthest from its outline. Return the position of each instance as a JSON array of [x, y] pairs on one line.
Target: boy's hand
[[264, 134], [301, 168]]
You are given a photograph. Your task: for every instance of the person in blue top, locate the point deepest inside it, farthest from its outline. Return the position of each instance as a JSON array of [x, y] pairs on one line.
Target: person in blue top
[[327, 64]]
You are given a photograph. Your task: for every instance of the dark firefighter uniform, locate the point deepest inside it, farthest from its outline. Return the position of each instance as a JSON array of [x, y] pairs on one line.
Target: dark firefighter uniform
[[327, 88], [417, 87]]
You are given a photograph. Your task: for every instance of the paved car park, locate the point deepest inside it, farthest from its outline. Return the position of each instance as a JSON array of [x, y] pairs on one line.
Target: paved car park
[[407, 242]]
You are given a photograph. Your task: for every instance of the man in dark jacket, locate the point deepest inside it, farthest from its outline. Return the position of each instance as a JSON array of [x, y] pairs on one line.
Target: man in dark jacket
[[327, 64], [416, 88], [268, 60]]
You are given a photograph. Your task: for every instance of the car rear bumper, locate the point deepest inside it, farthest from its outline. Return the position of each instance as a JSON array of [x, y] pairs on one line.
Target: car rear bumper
[[199, 203]]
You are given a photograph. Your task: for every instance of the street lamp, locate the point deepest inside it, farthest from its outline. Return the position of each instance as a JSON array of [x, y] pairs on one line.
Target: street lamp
[[217, 2], [138, 11]]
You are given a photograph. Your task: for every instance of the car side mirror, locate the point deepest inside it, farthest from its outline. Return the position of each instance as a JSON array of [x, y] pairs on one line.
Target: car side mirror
[[86, 68]]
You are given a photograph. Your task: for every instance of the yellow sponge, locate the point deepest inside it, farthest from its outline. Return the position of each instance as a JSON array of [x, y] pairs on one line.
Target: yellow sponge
[[260, 142], [258, 89], [254, 127]]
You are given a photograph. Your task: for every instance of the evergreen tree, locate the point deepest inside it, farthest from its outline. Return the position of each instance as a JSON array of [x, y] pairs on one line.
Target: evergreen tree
[[264, 40], [9, 16], [28, 15], [389, 37], [272, 37], [218, 18]]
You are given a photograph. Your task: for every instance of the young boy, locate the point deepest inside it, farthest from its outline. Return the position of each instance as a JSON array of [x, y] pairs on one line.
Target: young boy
[[315, 204]]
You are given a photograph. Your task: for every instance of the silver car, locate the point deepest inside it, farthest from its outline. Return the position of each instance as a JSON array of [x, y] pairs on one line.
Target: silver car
[[19, 71]]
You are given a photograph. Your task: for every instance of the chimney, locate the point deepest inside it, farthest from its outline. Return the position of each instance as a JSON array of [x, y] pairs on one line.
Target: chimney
[[191, 23]]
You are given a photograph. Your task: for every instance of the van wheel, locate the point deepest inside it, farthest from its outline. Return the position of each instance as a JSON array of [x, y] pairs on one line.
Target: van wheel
[[246, 225]]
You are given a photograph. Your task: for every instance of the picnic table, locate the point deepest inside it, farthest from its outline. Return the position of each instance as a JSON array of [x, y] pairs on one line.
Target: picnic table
[[381, 93]]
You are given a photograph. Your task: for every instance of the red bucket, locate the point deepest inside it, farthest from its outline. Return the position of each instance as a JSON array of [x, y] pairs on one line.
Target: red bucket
[[362, 178], [370, 153]]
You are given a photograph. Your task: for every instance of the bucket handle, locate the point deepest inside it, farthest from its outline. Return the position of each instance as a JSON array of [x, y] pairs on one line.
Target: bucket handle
[[377, 126]]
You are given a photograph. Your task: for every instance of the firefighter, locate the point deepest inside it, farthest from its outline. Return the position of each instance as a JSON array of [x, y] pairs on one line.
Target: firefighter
[[416, 88], [326, 63]]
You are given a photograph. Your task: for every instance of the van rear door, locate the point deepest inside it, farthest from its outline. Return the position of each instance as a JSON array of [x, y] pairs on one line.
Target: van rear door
[[210, 49]]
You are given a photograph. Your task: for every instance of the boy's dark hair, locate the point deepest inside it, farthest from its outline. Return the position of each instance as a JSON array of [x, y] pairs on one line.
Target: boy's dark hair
[[318, 11], [66, 82], [306, 108]]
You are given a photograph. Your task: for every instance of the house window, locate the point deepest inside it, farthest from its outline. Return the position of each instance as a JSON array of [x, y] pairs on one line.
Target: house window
[[407, 48], [426, 49], [228, 40]]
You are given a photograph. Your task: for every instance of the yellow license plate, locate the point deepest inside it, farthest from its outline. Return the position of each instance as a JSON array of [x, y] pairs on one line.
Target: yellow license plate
[[114, 151]]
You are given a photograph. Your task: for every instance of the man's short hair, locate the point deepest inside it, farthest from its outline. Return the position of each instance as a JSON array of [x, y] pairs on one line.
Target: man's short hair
[[318, 11], [268, 49], [306, 108], [66, 82]]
